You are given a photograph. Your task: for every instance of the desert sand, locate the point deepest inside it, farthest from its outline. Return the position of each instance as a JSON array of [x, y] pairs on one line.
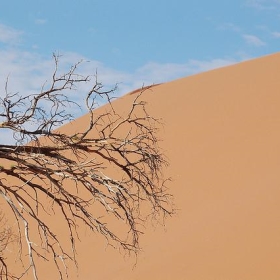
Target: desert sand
[[221, 135]]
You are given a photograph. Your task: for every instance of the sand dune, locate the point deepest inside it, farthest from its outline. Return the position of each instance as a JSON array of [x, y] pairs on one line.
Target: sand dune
[[221, 135]]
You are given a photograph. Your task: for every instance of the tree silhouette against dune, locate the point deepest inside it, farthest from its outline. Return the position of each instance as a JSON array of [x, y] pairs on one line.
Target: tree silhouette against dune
[[47, 173]]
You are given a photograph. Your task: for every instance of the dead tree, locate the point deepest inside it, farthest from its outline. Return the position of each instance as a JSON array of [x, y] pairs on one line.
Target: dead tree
[[50, 172]]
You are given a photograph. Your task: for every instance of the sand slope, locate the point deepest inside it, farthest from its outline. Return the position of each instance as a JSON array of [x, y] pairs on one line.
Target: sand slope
[[222, 138]]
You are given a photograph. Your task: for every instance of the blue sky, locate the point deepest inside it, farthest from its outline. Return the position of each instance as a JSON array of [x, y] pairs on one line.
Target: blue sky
[[136, 42], [133, 43]]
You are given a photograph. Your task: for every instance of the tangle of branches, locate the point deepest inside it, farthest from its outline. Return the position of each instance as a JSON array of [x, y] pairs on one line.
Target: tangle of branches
[[109, 169]]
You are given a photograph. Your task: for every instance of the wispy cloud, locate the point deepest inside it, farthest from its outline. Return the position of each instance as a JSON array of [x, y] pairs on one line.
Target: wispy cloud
[[9, 35], [157, 72], [253, 40], [263, 4], [229, 26], [29, 71], [276, 34], [40, 21]]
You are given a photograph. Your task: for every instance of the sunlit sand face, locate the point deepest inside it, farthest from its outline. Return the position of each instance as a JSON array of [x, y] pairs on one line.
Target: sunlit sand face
[[221, 135]]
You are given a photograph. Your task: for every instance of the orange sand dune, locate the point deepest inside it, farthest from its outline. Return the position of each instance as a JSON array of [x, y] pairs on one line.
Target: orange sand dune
[[222, 138]]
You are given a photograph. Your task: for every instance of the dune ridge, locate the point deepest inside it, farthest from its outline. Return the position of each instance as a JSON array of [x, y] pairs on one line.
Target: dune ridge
[[221, 135]]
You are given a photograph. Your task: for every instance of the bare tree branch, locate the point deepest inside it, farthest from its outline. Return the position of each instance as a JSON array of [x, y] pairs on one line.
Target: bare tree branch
[[47, 171]]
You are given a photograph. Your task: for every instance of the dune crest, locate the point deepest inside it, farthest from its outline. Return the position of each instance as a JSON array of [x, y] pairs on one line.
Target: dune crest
[[221, 134]]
